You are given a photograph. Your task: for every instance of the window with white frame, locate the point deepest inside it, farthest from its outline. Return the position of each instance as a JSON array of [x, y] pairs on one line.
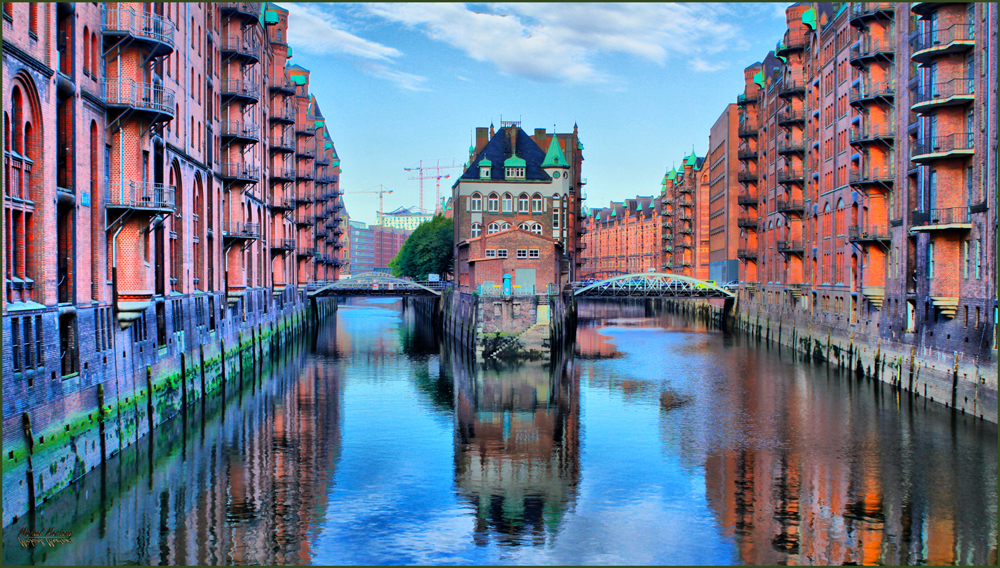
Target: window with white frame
[[484, 172], [477, 229], [477, 202], [555, 219], [536, 228], [524, 227], [491, 253], [501, 253], [493, 203], [492, 228], [522, 253], [522, 203], [533, 253], [504, 226], [508, 203], [515, 172], [536, 203]]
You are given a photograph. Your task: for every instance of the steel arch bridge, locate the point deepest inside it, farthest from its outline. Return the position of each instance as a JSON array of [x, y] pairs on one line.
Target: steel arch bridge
[[380, 284], [652, 285]]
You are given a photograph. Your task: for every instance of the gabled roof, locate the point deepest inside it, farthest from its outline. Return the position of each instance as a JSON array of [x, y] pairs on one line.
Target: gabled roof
[[498, 151]]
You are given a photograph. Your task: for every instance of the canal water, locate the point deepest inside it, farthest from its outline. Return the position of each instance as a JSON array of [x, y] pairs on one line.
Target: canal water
[[651, 440]]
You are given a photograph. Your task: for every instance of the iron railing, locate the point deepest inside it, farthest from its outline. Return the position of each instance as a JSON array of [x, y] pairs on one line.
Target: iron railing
[[789, 175], [791, 246], [921, 40], [240, 170], [283, 114], [958, 87], [241, 230], [239, 88], [746, 222], [283, 244], [746, 198], [864, 9], [145, 96], [793, 40], [283, 143], [789, 145], [871, 132], [791, 86], [786, 205], [242, 46], [240, 129], [746, 176], [878, 174], [744, 98], [862, 233], [138, 195], [746, 254], [145, 25], [871, 47], [791, 115], [872, 89], [940, 216], [283, 174], [943, 144]]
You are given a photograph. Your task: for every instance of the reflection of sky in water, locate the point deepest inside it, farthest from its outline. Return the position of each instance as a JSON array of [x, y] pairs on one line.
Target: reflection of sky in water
[[395, 497]]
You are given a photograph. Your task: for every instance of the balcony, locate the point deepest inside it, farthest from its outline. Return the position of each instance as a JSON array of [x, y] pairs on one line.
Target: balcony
[[283, 115], [667, 236], [153, 30], [789, 175], [791, 146], [872, 133], [926, 45], [746, 254], [303, 199], [338, 231], [744, 98], [746, 222], [321, 232], [240, 131], [791, 115], [282, 174], [942, 147], [249, 12], [787, 206], [746, 176], [306, 252], [244, 48], [149, 99], [127, 194], [305, 220], [282, 87], [308, 153], [862, 11], [306, 130], [791, 246], [872, 91], [747, 199], [239, 231], [328, 179], [281, 204], [793, 41], [239, 171], [284, 144], [305, 173], [338, 245], [792, 86], [244, 91], [322, 160], [684, 189], [951, 218], [746, 154], [747, 128], [882, 175], [874, 48], [948, 93], [868, 234], [283, 244]]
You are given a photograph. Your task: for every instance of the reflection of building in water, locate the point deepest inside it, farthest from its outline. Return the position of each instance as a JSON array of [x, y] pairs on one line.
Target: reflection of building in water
[[518, 458]]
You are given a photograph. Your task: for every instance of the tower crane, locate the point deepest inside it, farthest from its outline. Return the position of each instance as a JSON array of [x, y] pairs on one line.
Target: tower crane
[[437, 177], [380, 191]]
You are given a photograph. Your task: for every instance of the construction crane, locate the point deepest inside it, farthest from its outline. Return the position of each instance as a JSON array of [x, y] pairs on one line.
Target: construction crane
[[380, 191], [437, 177]]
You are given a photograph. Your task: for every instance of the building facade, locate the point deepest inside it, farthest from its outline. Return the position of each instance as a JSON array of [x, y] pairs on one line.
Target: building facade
[[723, 197], [523, 200], [404, 218], [372, 247], [684, 207], [623, 238], [168, 180]]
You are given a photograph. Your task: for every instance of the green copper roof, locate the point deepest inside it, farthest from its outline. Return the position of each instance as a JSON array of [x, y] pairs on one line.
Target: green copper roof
[[270, 17], [514, 162], [672, 174], [759, 79], [579, 145], [809, 18], [484, 163], [554, 156], [289, 55], [692, 160], [320, 124], [614, 212], [298, 79], [329, 145]]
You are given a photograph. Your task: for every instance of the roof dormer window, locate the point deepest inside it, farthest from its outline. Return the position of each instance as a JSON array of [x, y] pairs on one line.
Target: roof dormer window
[[484, 169], [514, 173]]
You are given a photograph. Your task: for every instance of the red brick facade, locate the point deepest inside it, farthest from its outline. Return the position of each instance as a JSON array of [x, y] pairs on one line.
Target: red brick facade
[[623, 238]]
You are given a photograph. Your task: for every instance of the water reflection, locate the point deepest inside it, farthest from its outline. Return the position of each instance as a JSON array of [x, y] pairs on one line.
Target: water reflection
[[517, 448]]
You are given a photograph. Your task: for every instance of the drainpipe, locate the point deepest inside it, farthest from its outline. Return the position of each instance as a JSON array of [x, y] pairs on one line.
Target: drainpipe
[[114, 267]]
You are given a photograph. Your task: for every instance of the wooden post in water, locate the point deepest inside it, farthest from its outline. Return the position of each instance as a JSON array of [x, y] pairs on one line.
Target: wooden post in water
[[100, 422], [149, 400], [29, 439]]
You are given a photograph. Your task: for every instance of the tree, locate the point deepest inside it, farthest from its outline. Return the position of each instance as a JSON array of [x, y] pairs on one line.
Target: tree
[[428, 250]]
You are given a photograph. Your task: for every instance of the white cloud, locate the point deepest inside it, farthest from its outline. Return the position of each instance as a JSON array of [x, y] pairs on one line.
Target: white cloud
[[699, 64], [314, 31], [407, 81], [558, 42]]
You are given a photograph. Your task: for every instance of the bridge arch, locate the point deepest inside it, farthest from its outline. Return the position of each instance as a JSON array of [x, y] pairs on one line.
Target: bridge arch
[[653, 285], [365, 280]]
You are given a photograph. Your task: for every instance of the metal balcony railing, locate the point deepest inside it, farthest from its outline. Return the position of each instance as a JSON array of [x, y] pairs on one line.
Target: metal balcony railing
[[305, 220], [249, 10], [928, 147], [746, 254], [283, 86], [283, 244], [869, 233], [282, 203], [789, 205], [746, 198], [241, 230], [239, 88], [789, 175], [306, 152], [745, 98], [120, 20], [792, 41], [746, 154], [305, 172], [872, 132], [745, 176], [283, 173], [139, 96], [791, 86], [943, 93], [789, 145], [306, 129], [282, 115], [871, 90], [240, 129], [240, 170], [791, 246], [246, 47], [860, 10], [791, 115], [937, 217], [283, 143], [129, 194], [748, 128], [922, 40], [871, 47], [879, 174]]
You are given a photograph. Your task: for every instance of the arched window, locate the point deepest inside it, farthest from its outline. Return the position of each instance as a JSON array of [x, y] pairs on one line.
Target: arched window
[[86, 51], [95, 56], [536, 228], [840, 217], [492, 228], [522, 203], [23, 156], [504, 226], [477, 229], [33, 20], [94, 217], [536, 203], [477, 202], [524, 227], [493, 203], [508, 203], [555, 201]]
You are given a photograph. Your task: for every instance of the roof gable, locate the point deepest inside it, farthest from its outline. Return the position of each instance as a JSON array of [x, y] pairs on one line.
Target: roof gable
[[498, 151]]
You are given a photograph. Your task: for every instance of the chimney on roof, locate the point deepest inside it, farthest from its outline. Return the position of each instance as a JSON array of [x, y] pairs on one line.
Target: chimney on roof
[[491, 131], [481, 139], [512, 132], [540, 137]]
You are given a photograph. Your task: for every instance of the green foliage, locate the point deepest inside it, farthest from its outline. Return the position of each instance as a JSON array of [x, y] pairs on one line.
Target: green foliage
[[428, 250]]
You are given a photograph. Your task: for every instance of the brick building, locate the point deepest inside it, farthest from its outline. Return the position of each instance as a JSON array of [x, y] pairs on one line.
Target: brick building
[[162, 161], [525, 202], [869, 155], [372, 247], [723, 197], [623, 238], [685, 220]]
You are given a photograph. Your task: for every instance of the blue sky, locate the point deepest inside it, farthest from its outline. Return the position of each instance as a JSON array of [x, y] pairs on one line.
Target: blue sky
[[400, 83]]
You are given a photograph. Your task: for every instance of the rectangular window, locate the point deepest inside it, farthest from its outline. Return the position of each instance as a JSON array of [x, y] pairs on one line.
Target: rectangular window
[[533, 253], [493, 203], [28, 344], [930, 261], [555, 219], [522, 253], [491, 253], [477, 203], [536, 204], [501, 253], [965, 259], [508, 204], [15, 329], [979, 260], [522, 204]]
